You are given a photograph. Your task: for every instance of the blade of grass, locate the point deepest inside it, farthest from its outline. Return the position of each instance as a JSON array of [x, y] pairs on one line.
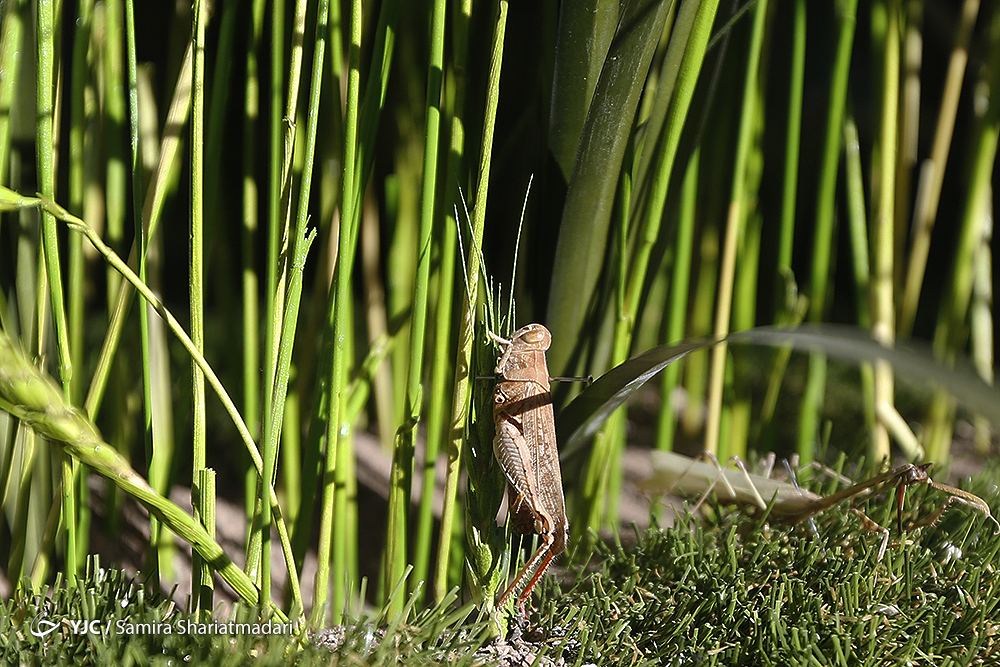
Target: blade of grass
[[45, 132], [338, 309], [298, 247], [455, 412], [11, 47], [736, 223], [202, 585], [819, 287], [860, 252], [81, 156], [932, 170], [432, 138], [680, 285], [883, 239], [950, 334], [482, 554]]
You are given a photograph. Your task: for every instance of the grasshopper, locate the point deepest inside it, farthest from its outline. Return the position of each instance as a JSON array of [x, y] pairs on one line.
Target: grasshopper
[[525, 447]]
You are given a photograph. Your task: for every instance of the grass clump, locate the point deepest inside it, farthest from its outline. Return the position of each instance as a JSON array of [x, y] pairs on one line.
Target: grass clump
[[112, 619], [737, 592]]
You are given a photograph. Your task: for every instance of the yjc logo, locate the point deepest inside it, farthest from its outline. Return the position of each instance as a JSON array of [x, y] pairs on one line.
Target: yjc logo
[[41, 626]]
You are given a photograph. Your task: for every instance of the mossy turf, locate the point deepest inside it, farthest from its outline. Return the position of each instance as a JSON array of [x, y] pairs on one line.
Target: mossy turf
[[718, 589], [735, 591], [134, 628]]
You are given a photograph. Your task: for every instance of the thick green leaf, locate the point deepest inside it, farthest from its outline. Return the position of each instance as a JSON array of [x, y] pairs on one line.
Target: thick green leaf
[[586, 29], [583, 232]]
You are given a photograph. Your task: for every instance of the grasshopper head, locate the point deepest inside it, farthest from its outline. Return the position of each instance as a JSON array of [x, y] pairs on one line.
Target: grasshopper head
[[532, 337]]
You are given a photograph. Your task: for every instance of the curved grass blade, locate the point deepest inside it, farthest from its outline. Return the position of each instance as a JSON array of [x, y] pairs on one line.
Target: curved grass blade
[[34, 398], [588, 411]]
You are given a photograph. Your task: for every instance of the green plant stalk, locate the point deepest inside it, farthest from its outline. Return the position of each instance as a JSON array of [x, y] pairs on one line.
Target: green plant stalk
[[11, 47], [377, 311], [456, 152], [482, 559], [402, 202], [736, 220], [781, 359], [598, 497], [225, 14], [675, 84], [278, 276], [152, 210], [793, 146], [158, 449], [80, 112], [696, 369], [299, 247], [344, 542], [359, 129], [23, 490], [116, 190], [206, 516], [932, 170], [883, 244], [80, 115], [858, 233], [367, 126], [950, 332], [277, 409], [438, 417], [251, 337], [981, 333], [748, 252], [789, 304], [819, 287], [489, 557], [111, 214], [744, 316], [688, 48], [694, 24], [157, 384], [432, 138], [412, 291], [680, 285], [346, 524], [341, 294], [35, 399], [278, 160], [202, 593], [43, 555], [281, 223], [45, 161], [291, 454], [251, 321]]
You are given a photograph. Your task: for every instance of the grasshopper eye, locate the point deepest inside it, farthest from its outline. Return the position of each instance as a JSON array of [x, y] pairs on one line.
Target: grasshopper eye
[[536, 335]]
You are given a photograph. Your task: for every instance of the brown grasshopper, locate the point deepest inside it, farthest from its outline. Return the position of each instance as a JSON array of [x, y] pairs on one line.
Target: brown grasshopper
[[525, 447]]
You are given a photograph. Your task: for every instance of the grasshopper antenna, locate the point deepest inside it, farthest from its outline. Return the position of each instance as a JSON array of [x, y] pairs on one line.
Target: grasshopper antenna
[[795, 482]]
